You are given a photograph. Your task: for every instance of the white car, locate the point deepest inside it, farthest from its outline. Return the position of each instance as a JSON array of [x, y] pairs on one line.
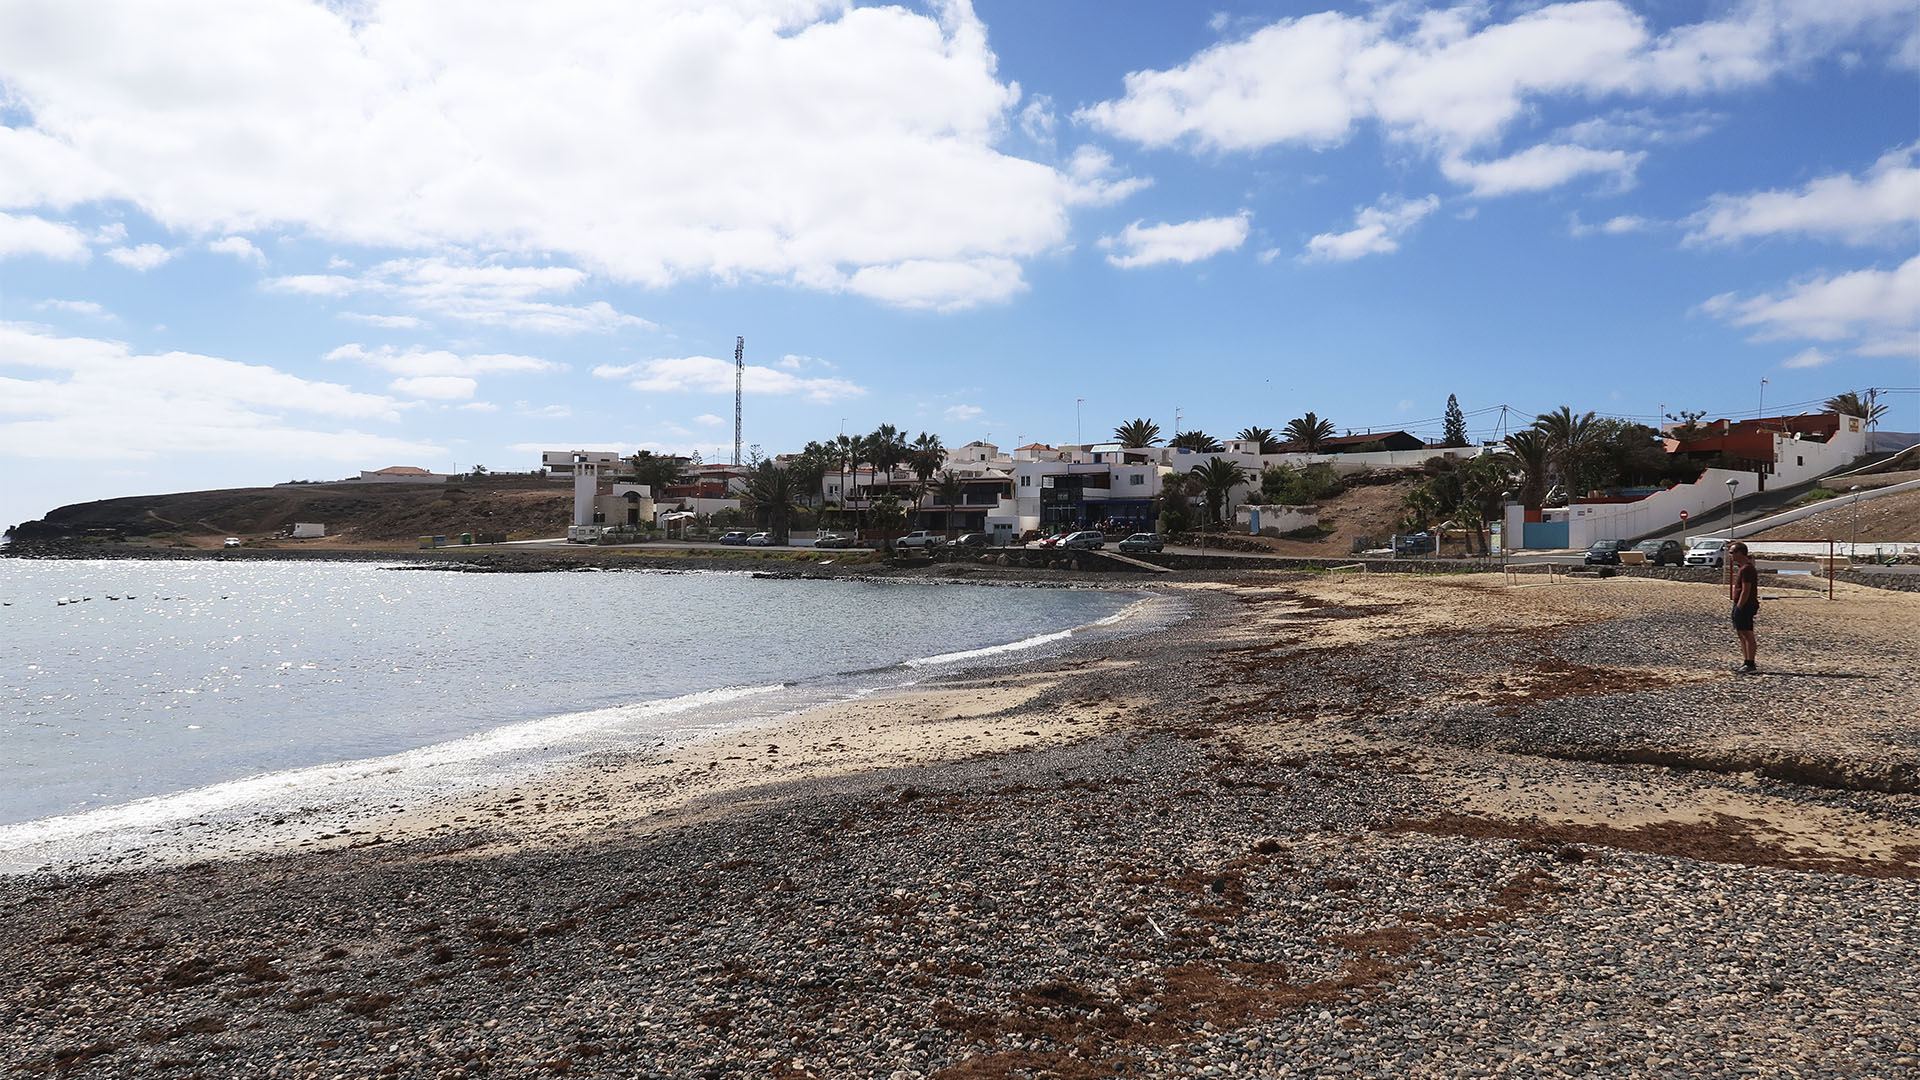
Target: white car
[[233, 541], [1707, 552]]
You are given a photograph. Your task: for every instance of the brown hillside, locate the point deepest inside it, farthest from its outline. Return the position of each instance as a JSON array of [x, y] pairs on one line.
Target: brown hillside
[[516, 507], [1884, 520], [1373, 511]]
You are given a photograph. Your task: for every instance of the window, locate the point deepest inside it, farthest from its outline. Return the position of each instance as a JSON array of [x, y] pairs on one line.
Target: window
[[1136, 480], [1026, 481]]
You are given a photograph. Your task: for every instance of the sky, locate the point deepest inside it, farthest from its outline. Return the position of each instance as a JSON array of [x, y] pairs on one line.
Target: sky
[[250, 241]]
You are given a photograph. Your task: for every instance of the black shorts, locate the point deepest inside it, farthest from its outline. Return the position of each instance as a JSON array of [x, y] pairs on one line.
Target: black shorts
[[1743, 617]]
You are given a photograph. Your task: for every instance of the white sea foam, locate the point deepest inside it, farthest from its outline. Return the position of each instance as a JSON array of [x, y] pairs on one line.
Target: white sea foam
[[470, 761]]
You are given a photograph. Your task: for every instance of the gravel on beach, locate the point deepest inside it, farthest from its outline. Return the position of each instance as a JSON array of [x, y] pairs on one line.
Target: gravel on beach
[[1329, 826]]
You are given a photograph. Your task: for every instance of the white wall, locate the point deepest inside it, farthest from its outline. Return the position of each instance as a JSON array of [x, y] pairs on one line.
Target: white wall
[[1276, 520]]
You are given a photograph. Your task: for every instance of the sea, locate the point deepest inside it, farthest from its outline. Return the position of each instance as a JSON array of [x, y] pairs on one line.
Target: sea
[[140, 695]]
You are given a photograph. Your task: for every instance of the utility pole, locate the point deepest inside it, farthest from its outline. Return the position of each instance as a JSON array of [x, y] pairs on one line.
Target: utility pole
[[739, 377], [1077, 402]]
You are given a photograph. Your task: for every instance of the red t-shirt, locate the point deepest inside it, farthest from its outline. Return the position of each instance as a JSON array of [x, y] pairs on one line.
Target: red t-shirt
[[1745, 578]]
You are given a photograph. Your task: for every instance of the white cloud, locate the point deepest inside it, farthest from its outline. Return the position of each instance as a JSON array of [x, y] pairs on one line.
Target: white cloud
[[544, 412], [37, 236], [485, 294], [963, 413], [143, 258], [1807, 358], [240, 248], [416, 361], [708, 419], [1376, 230], [1618, 225], [435, 387], [1883, 207], [813, 142], [98, 400], [1181, 242], [478, 406], [1539, 168], [1459, 79], [1880, 306], [386, 322], [77, 307], [706, 374]]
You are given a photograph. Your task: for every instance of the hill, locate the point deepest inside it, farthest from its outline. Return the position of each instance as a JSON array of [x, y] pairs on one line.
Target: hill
[[511, 507]]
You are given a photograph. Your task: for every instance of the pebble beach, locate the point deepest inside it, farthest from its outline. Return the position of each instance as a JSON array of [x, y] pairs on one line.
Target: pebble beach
[[1326, 826]]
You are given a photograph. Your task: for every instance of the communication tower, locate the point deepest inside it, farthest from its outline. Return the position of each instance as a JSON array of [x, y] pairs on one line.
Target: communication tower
[[739, 373]]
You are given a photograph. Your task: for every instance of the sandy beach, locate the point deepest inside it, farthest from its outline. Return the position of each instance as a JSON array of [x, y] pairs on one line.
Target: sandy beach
[[1330, 825]]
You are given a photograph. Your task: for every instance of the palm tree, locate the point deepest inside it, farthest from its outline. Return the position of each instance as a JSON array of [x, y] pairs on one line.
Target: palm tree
[[1137, 434], [1851, 404], [1308, 432], [771, 496], [1198, 441], [1218, 477], [1569, 440], [1269, 442], [927, 456], [885, 448], [951, 492], [1530, 453]]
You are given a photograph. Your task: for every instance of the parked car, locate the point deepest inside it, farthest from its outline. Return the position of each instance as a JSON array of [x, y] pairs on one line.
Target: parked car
[[1416, 543], [832, 540], [920, 538], [1662, 552], [1144, 542], [1085, 538], [760, 539], [1047, 541], [233, 541], [734, 536], [1605, 552], [973, 540], [1707, 552]]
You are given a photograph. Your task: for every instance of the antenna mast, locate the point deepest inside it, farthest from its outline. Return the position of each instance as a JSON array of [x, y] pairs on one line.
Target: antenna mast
[[739, 372]]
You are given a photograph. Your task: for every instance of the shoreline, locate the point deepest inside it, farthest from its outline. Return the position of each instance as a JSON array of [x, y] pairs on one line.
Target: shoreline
[[327, 805], [1379, 826]]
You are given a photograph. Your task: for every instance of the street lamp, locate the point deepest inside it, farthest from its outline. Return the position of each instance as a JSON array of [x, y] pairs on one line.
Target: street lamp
[[1505, 498], [1732, 484], [1854, 544]]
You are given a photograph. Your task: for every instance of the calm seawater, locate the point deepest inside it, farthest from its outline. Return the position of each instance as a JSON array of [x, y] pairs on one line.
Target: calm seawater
[[124, 680]]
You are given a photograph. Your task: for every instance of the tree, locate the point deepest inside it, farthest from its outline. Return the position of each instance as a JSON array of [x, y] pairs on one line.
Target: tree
[[926, 456], [1852, 404], [1308, 432], [657, 471], [1176, 489], [1570, 441], [1218, 477], [1454, 430], [810, 467], [1137, 434], [1284, 485], [1690, 429], [1530, 455], [771, 496], [1269, 442], [886, 447], [951, 492], [1198, 441]]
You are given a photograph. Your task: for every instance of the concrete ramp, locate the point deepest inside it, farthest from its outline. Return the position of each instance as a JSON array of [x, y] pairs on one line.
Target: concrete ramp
[[1117, 557]]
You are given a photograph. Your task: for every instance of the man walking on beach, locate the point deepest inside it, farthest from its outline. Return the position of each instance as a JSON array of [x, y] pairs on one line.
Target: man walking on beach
[[1745, 590]]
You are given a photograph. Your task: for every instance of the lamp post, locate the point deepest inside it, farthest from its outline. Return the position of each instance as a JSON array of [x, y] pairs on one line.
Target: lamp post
[[1505, 498], [1854, 544], [1732, 485]]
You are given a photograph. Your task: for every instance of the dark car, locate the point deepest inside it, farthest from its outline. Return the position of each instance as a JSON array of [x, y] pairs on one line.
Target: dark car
[[1085, 538], [1605, 552], [973, 540], [1662, 552], [734, 536], [832, 540], [1144, 542]]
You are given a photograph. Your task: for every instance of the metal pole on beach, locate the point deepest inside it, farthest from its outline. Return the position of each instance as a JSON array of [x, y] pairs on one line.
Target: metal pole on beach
[[1732, 486]]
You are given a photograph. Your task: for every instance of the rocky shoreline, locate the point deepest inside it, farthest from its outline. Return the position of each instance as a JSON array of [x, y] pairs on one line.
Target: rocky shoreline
[[1330, 826]]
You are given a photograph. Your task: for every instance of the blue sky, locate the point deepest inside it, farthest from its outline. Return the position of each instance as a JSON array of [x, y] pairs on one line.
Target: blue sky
[[247, 241]]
